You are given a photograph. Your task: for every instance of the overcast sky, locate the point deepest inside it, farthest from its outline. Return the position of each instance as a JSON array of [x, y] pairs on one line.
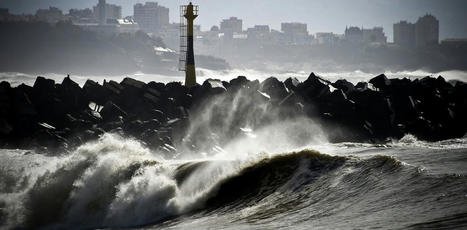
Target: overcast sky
[[320, 15]]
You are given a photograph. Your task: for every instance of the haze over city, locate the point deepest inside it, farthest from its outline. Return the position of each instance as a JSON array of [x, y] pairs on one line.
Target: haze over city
[[320, 15]]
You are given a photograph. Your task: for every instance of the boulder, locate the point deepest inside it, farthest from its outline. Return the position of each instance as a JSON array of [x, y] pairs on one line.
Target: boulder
[[237, 83], [313, 88], [132, 83], [274, 88], [113, 87], [381, 82], [214, 87], [5, 127], [44, 85], [47, 138], [112, 112], [343, 85], [95, 92], [72, 95], [175, 90], [5, 99], [134, 128], [361, 86], [291, 83]]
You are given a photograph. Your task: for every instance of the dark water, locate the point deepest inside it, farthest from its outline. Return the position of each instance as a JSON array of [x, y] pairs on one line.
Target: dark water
[[117, 183]]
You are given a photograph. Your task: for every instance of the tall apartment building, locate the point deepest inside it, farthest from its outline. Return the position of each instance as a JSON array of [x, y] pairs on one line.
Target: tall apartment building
[[258, 32], [51, 15], [232, 24], [353, 34], [374, 35], [423, 33], [151, 17], [103, 11], [295, 33], [404, 34], [426, 31]]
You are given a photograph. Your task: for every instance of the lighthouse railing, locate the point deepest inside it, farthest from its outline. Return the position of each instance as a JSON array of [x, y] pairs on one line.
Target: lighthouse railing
[[183, 40]]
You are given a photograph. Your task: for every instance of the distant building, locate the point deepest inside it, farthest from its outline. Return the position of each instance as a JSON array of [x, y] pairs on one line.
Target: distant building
[[327, 38], [171, 35], [215, 28], [294, 28], [232, 24], [112, 26], [81, 15], [6, 16], [426, 31], [258, 32], [353, 34], [295, 33], [455, 43], [51, 15], [151, 17], [404, 34], [103, 12], [375, 35]]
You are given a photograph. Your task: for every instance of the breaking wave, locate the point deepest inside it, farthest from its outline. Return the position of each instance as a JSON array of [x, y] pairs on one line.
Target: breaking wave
[[117, 183]]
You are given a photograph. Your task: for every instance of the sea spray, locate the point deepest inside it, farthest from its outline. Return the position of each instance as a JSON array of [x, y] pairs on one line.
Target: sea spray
[[244, 122], [16, 78], [115, 182]]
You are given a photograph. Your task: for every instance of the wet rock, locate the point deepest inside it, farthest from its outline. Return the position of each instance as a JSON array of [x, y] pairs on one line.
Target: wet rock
[[313, 88], [5, 98], [344, 85], [213, 87], [5, 127], [274, 88], [361, 86], [134, 128], [152, 138], [291, 83], [44, 85], [237, 83], [95, 92], [112, 125], [159, 114], [72, 95], [113, 87], [176, 90], [152, 95], [112, 112], [151, 124], [46, 138], [381, 82], [341, 107], [132, 83]]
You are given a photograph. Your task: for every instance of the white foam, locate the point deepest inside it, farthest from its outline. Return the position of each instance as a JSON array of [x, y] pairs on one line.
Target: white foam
[[16, 78]]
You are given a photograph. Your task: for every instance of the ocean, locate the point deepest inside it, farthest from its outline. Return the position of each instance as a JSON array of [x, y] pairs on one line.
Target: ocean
[[286, 175], [117, 183]]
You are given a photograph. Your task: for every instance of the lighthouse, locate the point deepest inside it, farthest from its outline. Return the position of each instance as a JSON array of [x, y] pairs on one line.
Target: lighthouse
[[188, 13]]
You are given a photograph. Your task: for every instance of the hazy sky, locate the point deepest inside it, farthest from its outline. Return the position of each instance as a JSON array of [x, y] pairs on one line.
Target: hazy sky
[[320, 15]]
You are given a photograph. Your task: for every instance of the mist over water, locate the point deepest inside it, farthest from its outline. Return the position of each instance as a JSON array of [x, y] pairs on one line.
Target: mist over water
[[16, 78]]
